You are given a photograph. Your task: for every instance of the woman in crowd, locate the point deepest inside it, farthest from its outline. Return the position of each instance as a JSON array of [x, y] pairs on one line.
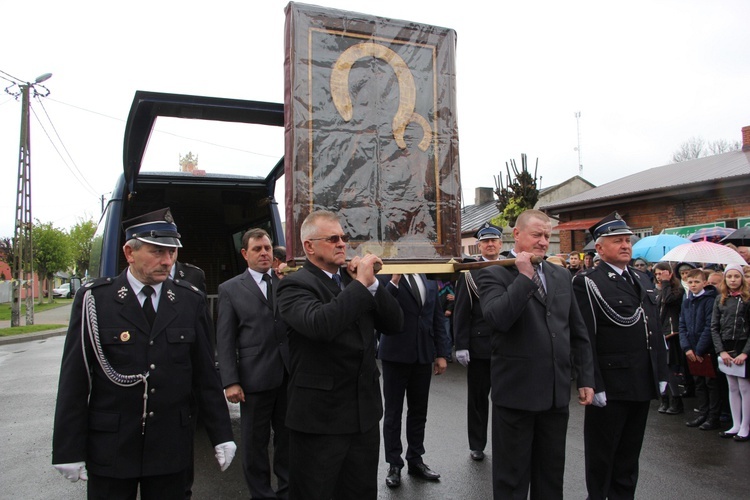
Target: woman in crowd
[[669, 299], [729, 333]]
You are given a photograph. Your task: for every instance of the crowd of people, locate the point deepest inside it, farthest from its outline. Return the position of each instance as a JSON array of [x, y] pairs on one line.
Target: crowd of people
[[302, 354]]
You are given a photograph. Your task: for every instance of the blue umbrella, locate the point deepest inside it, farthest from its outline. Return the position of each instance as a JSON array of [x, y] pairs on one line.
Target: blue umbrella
[[653, 248]]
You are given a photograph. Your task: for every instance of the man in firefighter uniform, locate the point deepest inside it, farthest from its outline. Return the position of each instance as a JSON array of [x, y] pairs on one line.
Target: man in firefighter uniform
[[137, 348]]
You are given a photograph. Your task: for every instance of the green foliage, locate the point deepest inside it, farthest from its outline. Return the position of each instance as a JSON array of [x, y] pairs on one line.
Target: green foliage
[[81, 239], [518, 193], [52, 250]]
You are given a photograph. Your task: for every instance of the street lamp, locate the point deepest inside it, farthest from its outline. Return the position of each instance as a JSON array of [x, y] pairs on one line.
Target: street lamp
[[23, 255]]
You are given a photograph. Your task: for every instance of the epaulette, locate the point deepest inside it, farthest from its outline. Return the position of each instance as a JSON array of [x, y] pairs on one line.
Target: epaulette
[[188, 285], [585, 272], [186, 264], [99, 282]]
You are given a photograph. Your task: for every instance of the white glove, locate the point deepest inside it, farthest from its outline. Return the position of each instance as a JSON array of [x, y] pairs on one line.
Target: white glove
[[73, 472], [662, 387], [600, 399], [463, 357], [225, 454]]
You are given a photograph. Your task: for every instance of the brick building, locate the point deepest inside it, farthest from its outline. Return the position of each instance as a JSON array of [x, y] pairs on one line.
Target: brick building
[[700, 191]]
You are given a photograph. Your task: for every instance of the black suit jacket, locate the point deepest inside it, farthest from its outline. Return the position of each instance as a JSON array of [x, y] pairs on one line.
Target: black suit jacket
[[629, 361], [105, 430], [251, 339], [532, 339], [470, 330], [423, 336], [334, 385]]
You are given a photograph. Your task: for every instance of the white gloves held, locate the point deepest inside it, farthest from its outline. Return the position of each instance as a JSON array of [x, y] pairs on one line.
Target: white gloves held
[[600, 399], [225, 454], [662, 387], [73, 471], [462, 357]]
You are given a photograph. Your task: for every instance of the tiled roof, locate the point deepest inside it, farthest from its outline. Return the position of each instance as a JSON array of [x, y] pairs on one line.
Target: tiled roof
[[668, 177], [473, 216]]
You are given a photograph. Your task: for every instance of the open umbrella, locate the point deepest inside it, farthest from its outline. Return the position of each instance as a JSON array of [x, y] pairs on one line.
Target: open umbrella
[[653, 248], [740, 237], [704, 251], [712, 234]]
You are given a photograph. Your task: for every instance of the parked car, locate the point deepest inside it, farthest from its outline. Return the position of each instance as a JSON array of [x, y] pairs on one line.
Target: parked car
[[62, 291]]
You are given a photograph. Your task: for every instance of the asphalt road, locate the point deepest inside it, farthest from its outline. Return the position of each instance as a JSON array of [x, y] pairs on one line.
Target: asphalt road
[[677, 462]]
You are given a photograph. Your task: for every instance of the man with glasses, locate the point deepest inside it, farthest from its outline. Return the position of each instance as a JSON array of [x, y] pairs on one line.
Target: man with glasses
[[332, 310]]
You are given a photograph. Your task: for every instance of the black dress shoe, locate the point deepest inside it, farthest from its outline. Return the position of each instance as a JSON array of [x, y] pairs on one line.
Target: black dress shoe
[[696, 422], [709, 425], [393, 479], [423, 471], [741, 439], [727, 435], [477, 455]]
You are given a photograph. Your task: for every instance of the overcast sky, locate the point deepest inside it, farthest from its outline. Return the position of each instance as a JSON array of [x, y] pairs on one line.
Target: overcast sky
[[645, 76]]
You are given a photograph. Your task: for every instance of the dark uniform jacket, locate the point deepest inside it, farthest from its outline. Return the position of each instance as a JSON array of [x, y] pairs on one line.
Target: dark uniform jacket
[[533, 339], [190, 273], [251, 337], [334, 384], [470, 330], [107, 431], [629, 361]]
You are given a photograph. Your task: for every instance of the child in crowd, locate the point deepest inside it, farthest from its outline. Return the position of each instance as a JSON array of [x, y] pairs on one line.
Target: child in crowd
[[670, 299], [715, 278], [729, 332], [695, 340]]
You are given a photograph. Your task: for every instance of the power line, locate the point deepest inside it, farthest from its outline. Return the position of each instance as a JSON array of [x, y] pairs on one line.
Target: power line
[[14, 79], [87, 186], [92, 190]]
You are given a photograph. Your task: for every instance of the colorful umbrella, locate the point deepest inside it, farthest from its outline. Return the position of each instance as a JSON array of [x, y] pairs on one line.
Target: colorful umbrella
[[653, 248], [712, 234], [704, 251]]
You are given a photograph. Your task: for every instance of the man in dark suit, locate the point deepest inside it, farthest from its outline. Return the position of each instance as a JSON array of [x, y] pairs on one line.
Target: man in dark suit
[[472, 340], [407, 356], [334, 403], [253, 356], [536, 327], [136, 350], [618, 304]]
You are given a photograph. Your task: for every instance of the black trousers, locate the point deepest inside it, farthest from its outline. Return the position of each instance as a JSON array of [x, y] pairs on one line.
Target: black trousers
[[478, 383], [261, 412], [165, 487], [410, 380], [528, 450], [338, 466], [613, 436]]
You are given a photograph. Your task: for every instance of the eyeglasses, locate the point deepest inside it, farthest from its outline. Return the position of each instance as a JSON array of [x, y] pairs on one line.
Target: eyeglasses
[[640, 265], [333, 239]]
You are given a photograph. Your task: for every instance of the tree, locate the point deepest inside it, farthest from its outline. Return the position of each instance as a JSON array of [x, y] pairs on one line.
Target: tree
[[7, 254], [81, 239], [52, 252], [696, 147], [517, 194]]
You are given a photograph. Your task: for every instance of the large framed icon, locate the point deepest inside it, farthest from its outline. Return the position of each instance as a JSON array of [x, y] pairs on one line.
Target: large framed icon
[[371, 133]]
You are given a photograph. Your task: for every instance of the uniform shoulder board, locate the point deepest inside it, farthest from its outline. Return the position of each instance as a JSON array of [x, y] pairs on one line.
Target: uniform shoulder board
[[585, 272], [186, 264], [99, 282], [188, 285]]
